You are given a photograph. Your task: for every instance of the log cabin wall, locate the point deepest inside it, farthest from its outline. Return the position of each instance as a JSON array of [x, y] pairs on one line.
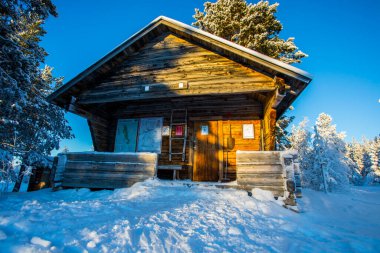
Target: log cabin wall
[[164, 63], [236, 127], [238, 109], [100, 134], [213, 88], [169, 65]]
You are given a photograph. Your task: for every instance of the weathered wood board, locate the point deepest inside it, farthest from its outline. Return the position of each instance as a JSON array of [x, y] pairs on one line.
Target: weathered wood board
[[260, 169], [234, 129], [157, 69], [107, 170]]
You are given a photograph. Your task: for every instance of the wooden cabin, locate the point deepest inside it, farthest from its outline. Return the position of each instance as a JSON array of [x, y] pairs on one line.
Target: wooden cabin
[[190, 97]]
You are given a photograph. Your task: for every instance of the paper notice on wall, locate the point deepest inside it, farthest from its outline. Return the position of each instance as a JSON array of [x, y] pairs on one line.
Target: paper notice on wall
[[204, 130], [165, 131], [248, 131]]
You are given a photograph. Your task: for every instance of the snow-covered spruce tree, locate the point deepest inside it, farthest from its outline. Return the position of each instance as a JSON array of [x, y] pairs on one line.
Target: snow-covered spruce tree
[[281, 132], [29, 126], [366, 157], [330, 169], [373, 173], [65, 150], [7, 173], [355, 156], [300, 140], [254, 26]]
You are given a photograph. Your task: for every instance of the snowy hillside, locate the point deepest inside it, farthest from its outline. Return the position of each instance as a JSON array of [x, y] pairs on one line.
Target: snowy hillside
[[157, 216]]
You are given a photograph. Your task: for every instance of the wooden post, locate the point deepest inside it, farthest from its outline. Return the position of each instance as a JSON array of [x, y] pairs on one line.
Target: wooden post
[[191, 151], [262, 135], [53, 170], [220, 149], [270, 113], [269, 123], [269, 130]]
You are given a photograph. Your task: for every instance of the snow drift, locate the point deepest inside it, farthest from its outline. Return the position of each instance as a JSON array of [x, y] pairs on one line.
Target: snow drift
[[163, 216]]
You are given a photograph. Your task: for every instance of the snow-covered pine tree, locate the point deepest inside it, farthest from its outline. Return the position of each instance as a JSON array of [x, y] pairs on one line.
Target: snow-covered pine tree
[[29, 125], [330, 169], [254, 26]]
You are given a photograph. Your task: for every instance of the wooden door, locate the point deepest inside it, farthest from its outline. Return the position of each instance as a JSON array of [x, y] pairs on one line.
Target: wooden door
[[206, 162]]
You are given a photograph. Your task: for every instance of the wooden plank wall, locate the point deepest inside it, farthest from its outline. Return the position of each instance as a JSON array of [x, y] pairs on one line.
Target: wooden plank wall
[[214, 88], [241, 106], [107, 170], [100, 135], [240, 143], [165, 62], [262, 169], [238, 106]]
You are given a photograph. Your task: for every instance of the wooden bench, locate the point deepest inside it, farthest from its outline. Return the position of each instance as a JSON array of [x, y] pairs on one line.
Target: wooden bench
[[174, 168]]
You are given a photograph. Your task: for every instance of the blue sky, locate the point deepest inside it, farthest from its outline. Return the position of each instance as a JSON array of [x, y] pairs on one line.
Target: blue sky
[[341, 38]]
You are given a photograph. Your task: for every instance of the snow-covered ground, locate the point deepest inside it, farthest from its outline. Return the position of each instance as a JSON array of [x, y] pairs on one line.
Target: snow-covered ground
[[158, 216]]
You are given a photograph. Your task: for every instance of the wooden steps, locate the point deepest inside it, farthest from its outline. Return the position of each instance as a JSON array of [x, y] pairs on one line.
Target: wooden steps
[[261, 169]]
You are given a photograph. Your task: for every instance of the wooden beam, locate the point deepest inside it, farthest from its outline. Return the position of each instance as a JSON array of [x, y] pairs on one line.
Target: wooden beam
[[137, 92], [76, 109]]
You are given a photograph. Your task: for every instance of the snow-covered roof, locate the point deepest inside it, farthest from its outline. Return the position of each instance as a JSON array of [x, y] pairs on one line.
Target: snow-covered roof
[[302, 75], [265, 62]]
